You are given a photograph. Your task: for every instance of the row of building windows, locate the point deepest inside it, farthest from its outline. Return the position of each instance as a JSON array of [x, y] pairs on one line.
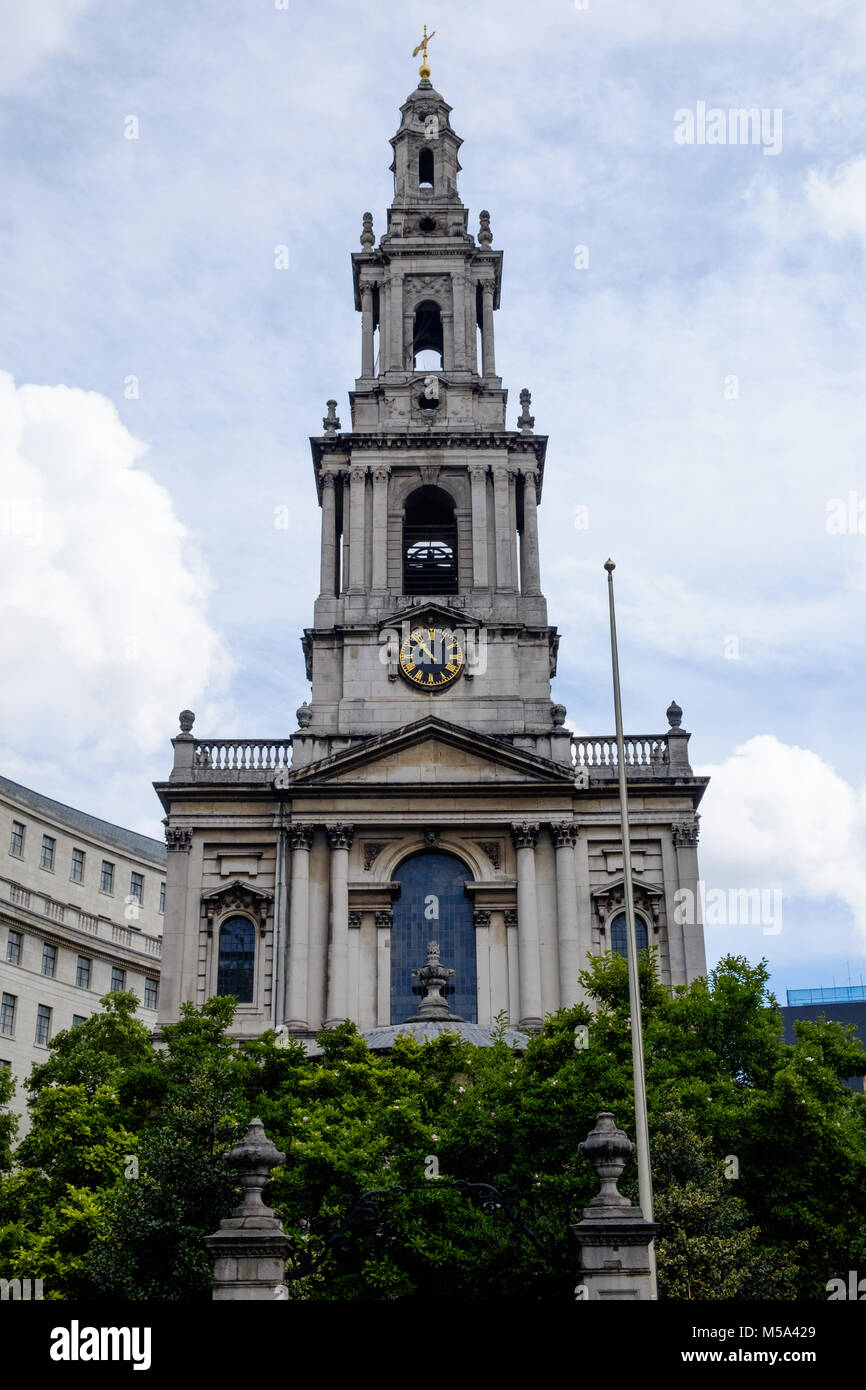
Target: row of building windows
[[9, 1006], [47, 856], [237, 948], [49, 963]]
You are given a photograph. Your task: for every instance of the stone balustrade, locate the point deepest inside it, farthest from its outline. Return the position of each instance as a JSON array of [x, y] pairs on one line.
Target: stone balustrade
[[41, 905], [231, 759], [646, 755]]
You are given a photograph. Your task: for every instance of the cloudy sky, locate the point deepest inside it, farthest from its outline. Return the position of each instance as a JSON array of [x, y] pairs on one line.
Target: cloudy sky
[[688, 315]]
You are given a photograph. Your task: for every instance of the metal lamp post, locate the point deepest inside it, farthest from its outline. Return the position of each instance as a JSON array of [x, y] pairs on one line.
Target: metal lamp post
[[644, 1172]]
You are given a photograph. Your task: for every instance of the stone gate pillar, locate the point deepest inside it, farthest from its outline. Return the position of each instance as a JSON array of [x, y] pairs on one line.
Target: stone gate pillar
[[250, 1248], [613, 1236]]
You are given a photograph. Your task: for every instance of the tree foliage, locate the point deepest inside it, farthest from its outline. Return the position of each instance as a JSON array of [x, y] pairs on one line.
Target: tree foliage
[[759, 1150]]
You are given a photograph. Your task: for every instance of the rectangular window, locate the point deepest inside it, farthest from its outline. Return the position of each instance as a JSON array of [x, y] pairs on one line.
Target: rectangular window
[[49, 960], [16, 843], [136, 888], [13, 948], [118, 980], [46, 860], [7, 1014], [77, 1020], [82, 974], [77, 873], [162, 897], [106, 882], [43, 1024], [151, 993]]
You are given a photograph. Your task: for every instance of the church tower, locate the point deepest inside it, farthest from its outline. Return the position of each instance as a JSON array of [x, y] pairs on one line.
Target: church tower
[[431, 790], [429, 501]]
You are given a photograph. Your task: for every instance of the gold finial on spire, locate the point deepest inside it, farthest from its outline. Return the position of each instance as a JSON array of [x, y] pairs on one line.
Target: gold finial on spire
[[424, 70]]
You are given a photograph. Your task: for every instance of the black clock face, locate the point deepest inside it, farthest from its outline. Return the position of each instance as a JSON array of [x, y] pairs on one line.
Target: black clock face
[[431, 658]]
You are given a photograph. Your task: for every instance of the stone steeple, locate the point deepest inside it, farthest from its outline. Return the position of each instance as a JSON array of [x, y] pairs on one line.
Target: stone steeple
[[429, 501]]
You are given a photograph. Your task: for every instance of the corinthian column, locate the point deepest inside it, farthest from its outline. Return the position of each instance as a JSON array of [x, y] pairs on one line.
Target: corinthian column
[[357, 476], [396, 339], [380, 528], [488, 362], [564, 836], [524, 836], [340, 842], [530, 573], [300, 841], [366, 330], [328, 584], [478, 475], [502, 519]]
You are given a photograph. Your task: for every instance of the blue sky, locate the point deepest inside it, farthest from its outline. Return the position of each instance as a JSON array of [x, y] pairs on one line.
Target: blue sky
[[701, 381]]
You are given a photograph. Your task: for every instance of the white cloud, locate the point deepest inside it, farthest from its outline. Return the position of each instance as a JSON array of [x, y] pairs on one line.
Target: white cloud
[[779, 816], [104, 621], [33, 30], [840, 202]]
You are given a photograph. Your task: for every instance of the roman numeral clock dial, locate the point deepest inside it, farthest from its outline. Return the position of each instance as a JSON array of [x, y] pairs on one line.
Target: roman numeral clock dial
[[431, 658]]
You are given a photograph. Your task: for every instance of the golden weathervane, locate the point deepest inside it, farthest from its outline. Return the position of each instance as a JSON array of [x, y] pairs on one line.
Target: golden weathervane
[[424, 70]]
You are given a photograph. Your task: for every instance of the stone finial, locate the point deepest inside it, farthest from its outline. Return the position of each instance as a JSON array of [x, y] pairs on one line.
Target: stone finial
[[304, 715], [674, 714], [367, 237], [186, 719], [485, 236], [525, 421], [330, 421], [608, 1150], [433, 976], [557, 714], [254, 1157]]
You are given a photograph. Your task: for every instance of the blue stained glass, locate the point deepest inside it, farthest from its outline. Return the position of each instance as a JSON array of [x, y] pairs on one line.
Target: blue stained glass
[[236, 958], [618, 938], [433, 906]]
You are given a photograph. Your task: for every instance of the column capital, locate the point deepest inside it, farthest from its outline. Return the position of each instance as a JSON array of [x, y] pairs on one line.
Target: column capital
[[480, 917], [381, 473], [355, 919], [563, 833], [511, 917], [301, 836], [330, 479], [340, 836], [178, 839], [357, 472], [525, 834], [385, 918], [477, 471], [686, 832]]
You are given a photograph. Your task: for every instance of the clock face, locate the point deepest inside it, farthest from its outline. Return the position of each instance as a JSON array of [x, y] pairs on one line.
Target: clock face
[[431, 658]]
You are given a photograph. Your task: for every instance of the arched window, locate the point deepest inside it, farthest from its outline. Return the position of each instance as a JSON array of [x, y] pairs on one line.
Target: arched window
[[425, 169], [427, 337], [429, 543], [433, 906], [237, 953], [618, 937]]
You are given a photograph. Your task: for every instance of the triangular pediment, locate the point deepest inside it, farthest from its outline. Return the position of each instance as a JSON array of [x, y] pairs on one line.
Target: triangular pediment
[[434, 753], [433, 611]]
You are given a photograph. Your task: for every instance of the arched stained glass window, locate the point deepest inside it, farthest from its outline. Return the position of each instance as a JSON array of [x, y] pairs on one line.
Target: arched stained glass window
[[237, 953], [619, 939]]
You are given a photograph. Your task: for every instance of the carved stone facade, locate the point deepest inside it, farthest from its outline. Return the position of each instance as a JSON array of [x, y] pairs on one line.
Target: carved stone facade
[[457, 806]]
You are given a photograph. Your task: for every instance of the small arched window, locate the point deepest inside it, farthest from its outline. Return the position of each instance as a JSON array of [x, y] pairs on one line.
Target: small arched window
[[425, 169], [237, 953], [619, 938], [427, 337], [429, 543]]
